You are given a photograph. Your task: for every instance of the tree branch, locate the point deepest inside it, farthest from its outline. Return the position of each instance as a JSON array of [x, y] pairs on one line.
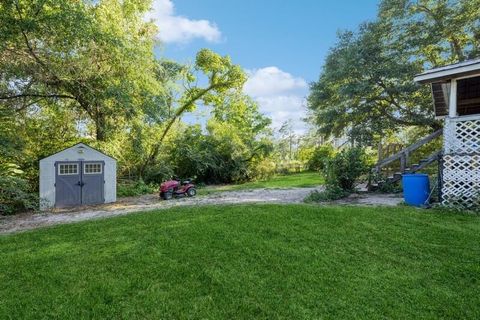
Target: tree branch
[[30, 49], [178, 113], [33, 95], [182, 109]]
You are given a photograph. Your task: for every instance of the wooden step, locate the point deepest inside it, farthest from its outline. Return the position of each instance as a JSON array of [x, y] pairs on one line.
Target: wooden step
[[403, 154], [411, 169]]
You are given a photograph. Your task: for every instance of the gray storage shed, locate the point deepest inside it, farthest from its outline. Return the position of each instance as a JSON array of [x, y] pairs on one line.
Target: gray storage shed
[[79, 175]]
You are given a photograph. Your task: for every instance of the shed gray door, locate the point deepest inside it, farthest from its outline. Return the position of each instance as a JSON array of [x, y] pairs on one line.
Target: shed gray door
[[79, 182], [68, 190], [92, 182]]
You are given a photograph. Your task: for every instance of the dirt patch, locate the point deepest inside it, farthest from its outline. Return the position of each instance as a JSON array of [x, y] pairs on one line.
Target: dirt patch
[[152, 202], [375, 199], [146, 203]]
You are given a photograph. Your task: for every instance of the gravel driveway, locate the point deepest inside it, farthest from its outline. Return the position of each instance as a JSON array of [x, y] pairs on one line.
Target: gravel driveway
[[27, 221], [123, 206]]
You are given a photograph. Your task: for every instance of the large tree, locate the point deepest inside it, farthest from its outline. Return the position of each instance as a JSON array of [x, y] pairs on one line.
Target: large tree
[[434, 32], [366, 87], [232, 148], [93, 57], [222, 77]]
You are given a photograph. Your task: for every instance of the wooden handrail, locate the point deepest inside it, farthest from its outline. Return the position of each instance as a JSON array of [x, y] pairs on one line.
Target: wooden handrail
[[403, 154]]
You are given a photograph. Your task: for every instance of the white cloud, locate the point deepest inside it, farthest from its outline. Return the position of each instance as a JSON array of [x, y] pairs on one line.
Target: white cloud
[[280, 96], [282, 108], [179, 29], [271, 81]]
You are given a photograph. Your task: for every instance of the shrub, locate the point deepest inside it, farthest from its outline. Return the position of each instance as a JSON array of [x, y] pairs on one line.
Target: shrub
[[341, 172], [390, 187], [329, 194], [290, 166], [319, 157], [135, 188], [158, 173], [16, 195], [344, 168], [262, 170]]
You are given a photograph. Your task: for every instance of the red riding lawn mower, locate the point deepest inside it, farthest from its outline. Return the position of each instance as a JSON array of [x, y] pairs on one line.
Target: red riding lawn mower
[[176, 187]]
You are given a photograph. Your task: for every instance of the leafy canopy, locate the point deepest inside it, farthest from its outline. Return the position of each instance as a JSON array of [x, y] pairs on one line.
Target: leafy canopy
[[366, 87]]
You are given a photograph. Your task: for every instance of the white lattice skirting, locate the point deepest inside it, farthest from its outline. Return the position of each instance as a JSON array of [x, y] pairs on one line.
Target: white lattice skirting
[[462, 136], [461, 180]]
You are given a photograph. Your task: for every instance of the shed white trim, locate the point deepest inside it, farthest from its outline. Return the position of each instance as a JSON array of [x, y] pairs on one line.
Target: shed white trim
[[80, 146], [82, 156]]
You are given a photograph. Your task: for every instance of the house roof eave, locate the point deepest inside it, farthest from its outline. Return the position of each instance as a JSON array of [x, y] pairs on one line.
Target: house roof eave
[[453, 71]]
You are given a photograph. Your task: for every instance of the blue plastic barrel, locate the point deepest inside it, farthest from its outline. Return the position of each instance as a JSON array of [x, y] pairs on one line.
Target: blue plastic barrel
[[416, 188]]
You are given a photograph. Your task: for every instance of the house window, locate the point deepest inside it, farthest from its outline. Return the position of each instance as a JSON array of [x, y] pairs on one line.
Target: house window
[[468, 96], [92, 168], [65, 169]]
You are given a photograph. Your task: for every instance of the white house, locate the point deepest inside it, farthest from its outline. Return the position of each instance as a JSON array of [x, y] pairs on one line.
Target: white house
[[456, 97], [79, 175]]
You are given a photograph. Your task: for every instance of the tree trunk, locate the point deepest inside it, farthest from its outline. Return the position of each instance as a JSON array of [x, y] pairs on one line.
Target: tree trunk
[[100, 127]]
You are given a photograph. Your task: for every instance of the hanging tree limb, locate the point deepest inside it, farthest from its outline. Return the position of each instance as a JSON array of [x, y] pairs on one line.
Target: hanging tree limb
[[35, 95]]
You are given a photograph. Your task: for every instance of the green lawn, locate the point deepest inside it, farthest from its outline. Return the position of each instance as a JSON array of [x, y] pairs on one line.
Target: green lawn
[[256, 261], [293, 180]]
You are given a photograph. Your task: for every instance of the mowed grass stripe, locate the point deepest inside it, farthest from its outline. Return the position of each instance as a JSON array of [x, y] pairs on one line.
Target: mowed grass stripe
[[280, 181], [261, 261]]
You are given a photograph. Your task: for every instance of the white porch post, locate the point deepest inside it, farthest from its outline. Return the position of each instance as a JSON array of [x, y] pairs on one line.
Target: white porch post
[[449, 128], [452, 106]]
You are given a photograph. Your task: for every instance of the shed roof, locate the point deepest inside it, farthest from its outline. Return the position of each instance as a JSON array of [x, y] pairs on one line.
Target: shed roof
[[451, 71], [80, 144]]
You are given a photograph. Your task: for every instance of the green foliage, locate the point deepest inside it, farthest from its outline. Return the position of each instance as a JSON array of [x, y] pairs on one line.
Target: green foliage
[[262, 169], [289, 166], [192, 155], [389, 187], [305, 153], [331, 193], [225, 80], [287, 142], [75, 53], [234, 148], [319, 157], [366, 88], [435, 32], [344, 168], [16, 195], [135, 188], [247, 262], [412, 135], [161, 171], [294, 152], [220, 156], [74, 71], [278, 181], [341, 171]]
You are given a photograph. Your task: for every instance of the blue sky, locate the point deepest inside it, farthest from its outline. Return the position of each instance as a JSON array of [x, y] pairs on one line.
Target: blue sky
[[281, 44]]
